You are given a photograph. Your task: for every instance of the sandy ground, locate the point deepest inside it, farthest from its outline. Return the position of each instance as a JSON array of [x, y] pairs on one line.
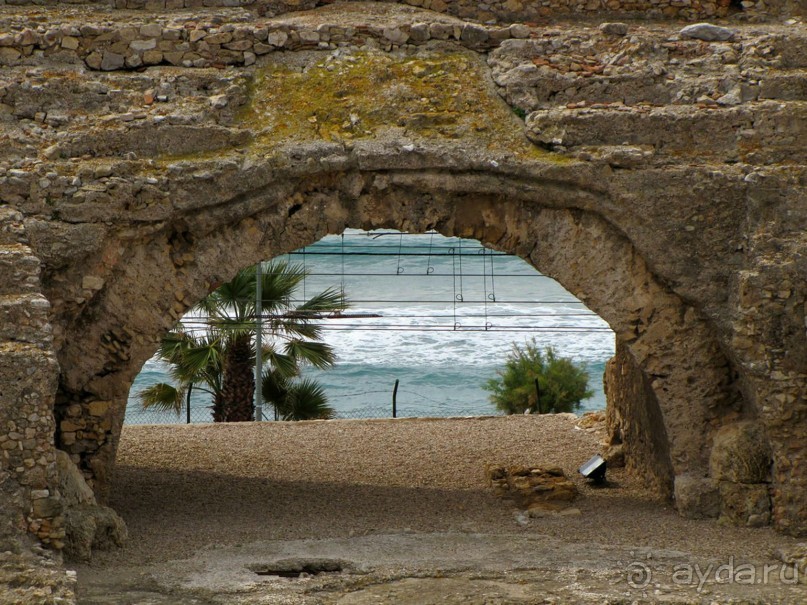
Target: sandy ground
[[404, 505]]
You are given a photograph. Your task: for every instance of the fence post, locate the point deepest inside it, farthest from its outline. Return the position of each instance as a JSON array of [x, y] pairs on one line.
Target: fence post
[[188, 404], [538, 397], [395, 399], [258, 342]]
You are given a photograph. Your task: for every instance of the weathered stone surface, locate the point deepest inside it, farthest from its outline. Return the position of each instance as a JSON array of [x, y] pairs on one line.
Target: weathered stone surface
[[533, 488], [740, 453], [745, 504], [72, 486], [614, 29], [794, 555], [614, 455], [27, 579], [29, 497], [111, 61], [635, 424], [91, 527], [707, 32], [697, 497]]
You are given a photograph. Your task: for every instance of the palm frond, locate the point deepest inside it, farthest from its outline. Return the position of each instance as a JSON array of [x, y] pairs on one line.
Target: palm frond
[[318, 354], [305, 400], [286, 365], [274, 387], [280, 280], [326, 301], [163, 396], [233, 300], [295, 328]]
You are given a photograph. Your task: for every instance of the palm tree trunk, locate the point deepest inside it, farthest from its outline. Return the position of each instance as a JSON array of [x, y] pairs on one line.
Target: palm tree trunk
[[219, 409], [238, 383]]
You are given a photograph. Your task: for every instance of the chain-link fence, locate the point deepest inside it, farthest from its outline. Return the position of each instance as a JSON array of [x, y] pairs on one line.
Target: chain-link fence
[[403, 403], [135, 414]]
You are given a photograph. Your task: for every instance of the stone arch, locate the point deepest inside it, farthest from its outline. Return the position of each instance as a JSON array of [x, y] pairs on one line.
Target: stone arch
[[143, 278]]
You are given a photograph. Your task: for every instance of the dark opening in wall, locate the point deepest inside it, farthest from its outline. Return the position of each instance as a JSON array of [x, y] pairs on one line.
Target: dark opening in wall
[[736, 5]]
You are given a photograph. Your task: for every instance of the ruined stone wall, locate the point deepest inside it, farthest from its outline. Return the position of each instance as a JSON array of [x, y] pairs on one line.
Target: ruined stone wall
[[204, 44], [28, 375], [196, 42], [654, 187], [30, 498], [635, 423], [499, 11]]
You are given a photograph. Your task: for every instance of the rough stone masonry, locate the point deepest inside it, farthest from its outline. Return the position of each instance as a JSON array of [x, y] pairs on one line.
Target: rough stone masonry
[[655, 167]]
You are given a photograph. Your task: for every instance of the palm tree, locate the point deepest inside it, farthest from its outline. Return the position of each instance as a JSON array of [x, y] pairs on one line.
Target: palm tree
[[195, 362], [292, 337]]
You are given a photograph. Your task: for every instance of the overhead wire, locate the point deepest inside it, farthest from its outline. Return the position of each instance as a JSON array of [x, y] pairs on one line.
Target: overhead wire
[[460, 314]]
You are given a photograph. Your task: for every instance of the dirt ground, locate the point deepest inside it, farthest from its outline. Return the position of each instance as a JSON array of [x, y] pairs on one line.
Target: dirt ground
[[400, 511]]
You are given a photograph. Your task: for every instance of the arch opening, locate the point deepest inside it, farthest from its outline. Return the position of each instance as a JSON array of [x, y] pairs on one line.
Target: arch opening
[[665, 343], [436, 315]]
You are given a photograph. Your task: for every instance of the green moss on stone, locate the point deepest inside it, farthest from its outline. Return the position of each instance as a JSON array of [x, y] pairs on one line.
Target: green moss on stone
[[437, 95]]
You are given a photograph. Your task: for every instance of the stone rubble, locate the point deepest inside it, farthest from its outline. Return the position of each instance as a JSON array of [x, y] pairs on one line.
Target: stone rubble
[[490, 11], [539, 491]]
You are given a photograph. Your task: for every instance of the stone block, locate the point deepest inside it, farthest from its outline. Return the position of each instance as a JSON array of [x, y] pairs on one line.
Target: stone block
[[440, 31], [98, 408], [151, 30], [740, 453], [614, 29], [93, 60], [474, 35], [419, 32], [219, 38], [696, 497], [111, 61], [240, 45], [69, 426], [174, 58], [69, 43], [277, 38], [72, 486], [9, 55], [745, 504], [152, 57], [396, 35], [519, 30], [46, 507], [262, 49], [89, 527], [143, 45], [707, 32], [196, 34]]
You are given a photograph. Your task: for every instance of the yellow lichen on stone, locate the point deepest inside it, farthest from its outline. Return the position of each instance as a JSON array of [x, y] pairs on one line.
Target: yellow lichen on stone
[[364, 95]]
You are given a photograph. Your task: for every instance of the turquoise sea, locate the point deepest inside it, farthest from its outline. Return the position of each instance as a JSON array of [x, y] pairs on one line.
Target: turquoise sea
[[436, 314]]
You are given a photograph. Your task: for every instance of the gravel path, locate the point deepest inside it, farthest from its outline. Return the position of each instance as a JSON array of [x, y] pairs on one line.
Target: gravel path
[[181, 488]]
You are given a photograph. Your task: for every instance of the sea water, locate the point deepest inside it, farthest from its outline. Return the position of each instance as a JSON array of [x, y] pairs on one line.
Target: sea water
[[438, 315]]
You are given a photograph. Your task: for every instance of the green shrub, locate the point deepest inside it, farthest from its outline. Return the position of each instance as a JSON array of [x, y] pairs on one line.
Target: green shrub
[[562, 384]]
